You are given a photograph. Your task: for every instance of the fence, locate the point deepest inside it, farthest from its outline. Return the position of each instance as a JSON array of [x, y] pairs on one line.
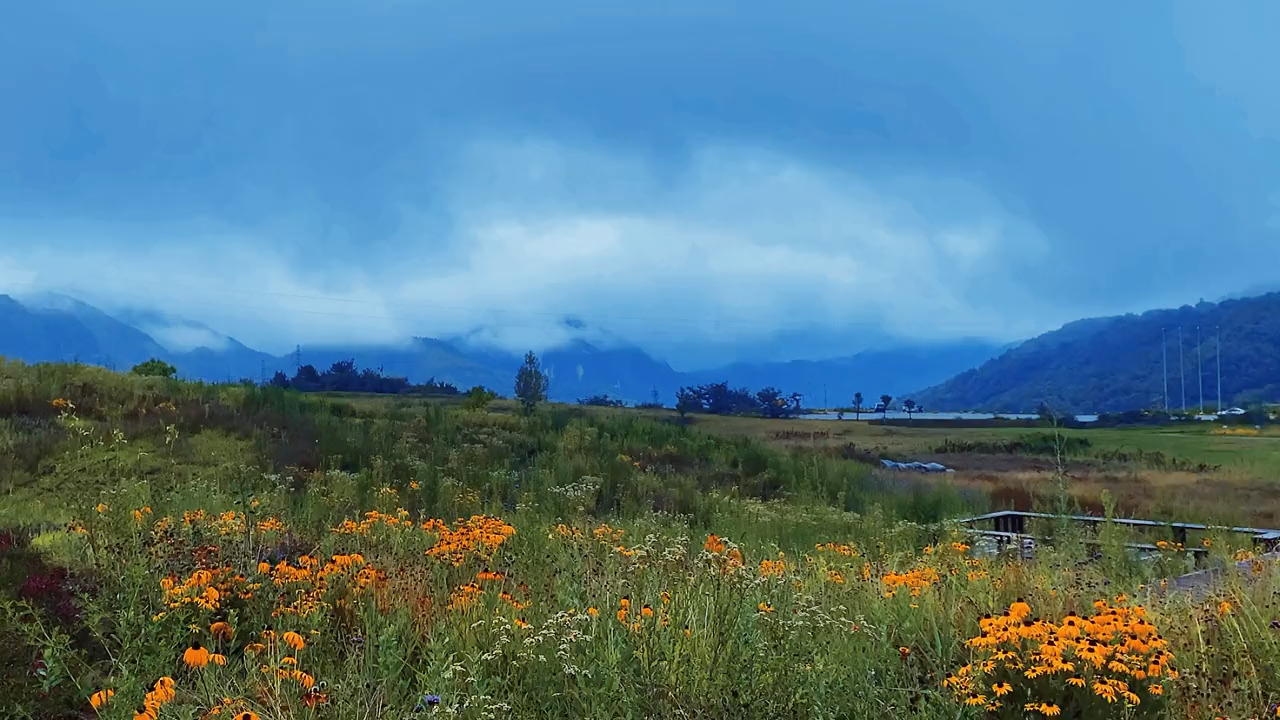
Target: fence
[[1009, 526]]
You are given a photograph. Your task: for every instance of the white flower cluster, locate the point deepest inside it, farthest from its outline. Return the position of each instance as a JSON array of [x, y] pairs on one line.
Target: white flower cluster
[[584, 489]]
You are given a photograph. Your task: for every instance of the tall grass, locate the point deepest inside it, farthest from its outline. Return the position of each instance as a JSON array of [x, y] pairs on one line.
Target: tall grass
[[444, 561]]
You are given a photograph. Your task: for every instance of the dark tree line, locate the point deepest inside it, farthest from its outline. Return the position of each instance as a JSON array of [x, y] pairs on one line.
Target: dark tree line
[[602, 400], [343, 376], [720, 399]]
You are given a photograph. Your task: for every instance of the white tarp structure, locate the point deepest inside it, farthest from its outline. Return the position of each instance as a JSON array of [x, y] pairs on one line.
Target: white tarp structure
[[932, 467]]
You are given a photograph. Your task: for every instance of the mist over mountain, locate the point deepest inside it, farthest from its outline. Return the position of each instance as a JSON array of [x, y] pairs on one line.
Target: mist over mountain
[[1095, 364], [64, 329]]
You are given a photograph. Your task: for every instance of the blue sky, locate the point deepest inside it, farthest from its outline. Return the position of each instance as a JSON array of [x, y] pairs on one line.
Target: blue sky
[[709, 179]]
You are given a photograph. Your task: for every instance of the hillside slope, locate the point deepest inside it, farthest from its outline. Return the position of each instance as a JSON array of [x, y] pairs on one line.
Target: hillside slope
[[34, 335], [1115, 364]]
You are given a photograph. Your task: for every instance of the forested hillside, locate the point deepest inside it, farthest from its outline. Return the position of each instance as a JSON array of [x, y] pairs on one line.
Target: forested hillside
[[1115, 364]]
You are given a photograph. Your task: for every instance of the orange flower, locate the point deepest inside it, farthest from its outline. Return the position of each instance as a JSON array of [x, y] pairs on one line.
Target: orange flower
[[293, 640], [1019, 609], [221, 630], [196, 656], [144, 713], [167, 684], [593, 612], [100, 698], [164, 691], [247, 715], [521, 623]]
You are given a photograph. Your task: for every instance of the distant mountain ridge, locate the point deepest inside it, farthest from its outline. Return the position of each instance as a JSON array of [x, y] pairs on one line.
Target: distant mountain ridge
[[832, 383], [59, 328], [1116, 363]]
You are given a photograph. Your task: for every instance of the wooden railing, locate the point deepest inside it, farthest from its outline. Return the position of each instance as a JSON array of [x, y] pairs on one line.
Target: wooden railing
[[1011, 525]]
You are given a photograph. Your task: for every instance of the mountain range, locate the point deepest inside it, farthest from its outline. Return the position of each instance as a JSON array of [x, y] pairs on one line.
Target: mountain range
[[1093, 365], [50, 328], [1126, 362]]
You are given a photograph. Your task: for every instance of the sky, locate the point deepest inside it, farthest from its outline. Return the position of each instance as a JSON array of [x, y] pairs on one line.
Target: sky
[[713, 181]]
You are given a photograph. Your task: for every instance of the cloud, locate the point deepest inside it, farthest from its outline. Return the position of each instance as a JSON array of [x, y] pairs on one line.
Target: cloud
[[706, 178], [181, 338], [737, 246]]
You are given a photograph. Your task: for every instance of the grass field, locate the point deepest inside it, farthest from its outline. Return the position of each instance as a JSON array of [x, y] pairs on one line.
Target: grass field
[[171, 550], [1150, 471]]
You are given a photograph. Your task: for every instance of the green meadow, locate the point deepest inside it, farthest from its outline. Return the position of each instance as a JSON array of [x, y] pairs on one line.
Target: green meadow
[[180, 550]]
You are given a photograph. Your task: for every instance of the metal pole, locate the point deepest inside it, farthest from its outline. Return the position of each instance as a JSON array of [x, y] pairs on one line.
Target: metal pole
[[1200, 368], [1218, 346], [1164, 365], [1182, 370]]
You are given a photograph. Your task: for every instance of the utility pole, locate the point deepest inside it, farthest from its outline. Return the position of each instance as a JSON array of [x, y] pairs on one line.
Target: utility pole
[[1182, 370], [262, 373], [1200, 368], [1218, 346], [1164, 365], [297, 358]]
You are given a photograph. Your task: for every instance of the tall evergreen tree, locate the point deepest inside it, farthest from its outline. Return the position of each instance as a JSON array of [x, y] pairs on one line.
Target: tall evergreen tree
[[531, 383]]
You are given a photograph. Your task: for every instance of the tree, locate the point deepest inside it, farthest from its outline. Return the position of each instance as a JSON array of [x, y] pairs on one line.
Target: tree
[[772, 403], [910, 406], [531, 383], [601, 400], [306, 378], [154, 367], [688, 400], [884, 406], [279, 380], [478, 398], [857, 406]]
